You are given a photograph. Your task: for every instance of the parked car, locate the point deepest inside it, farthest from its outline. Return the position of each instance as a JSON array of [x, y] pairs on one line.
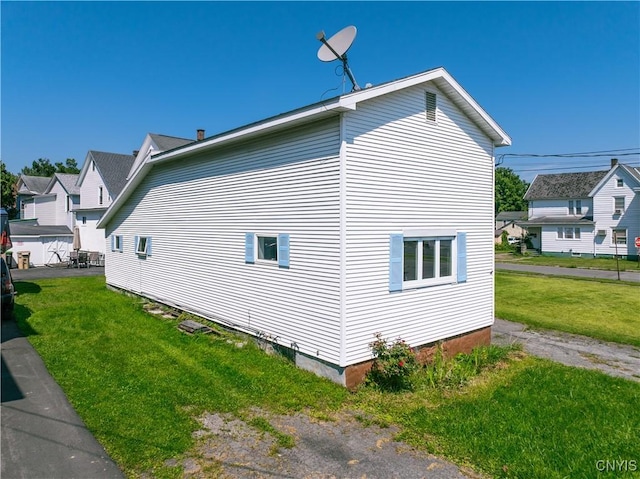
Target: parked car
[[8, 291], [513, 240]]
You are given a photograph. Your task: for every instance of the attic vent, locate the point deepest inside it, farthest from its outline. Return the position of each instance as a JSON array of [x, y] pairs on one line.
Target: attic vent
[[431, 106]]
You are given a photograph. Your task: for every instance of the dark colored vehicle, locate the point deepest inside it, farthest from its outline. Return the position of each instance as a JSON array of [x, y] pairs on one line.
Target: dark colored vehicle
[[8, 291]]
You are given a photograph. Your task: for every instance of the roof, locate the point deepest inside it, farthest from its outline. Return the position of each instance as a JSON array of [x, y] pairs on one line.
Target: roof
[[511, 215], [22, 229], [113, 168], [556, 220], [68, 182], [36, 185], [164, 142], [314, 112], [564, 185]]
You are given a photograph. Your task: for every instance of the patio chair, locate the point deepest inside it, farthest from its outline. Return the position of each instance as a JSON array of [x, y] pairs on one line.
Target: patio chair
[[94, 258], [73, 259], [83, 259]]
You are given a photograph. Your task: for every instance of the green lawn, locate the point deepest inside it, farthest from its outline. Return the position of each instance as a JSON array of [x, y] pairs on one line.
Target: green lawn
[[603, 310], [609, 264], [139, 383]]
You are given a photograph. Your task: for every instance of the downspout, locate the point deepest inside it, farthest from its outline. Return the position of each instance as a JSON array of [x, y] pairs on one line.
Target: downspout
[[343, 238]]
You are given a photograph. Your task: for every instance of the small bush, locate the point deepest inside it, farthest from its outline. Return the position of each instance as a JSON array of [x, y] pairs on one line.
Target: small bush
[[394, 364]]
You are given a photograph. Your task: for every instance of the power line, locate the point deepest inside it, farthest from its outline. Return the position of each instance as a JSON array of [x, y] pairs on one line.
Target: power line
[[580, 155]]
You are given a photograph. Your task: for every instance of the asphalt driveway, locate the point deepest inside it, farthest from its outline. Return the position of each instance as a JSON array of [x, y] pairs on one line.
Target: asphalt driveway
[[42, 435]]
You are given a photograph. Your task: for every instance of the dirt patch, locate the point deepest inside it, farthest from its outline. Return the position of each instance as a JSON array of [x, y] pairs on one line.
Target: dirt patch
[[341, 447]]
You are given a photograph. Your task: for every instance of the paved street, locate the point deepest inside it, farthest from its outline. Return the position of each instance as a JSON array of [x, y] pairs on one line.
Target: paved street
[[578, 272]]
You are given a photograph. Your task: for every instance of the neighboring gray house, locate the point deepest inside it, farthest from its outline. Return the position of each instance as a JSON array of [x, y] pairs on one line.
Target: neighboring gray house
[[27, 187], [315, 229], [593, 213]]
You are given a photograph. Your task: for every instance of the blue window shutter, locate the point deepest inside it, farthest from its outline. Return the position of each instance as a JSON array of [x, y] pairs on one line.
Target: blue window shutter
[[396, 247], [462, 257], [249, 248], [121, 241], [113, 243], [135, 244], [148, 245], [283, 250]]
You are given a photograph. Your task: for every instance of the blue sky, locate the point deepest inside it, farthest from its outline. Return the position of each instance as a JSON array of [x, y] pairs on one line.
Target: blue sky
[[80, 76]]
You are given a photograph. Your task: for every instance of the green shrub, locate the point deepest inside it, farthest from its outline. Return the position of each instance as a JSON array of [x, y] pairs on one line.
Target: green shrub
[[445, 373], [394, 364]]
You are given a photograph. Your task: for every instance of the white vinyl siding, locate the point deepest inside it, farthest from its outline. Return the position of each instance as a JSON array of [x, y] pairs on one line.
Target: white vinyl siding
[[604, 207], [399, 176], [199, 213], [560, 207], [90, 190]]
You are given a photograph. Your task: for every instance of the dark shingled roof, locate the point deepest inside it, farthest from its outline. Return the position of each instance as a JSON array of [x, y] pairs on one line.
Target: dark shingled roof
[[21, 229], [564, 185], [511, 215], [557, 220], [36, 184], [164, 142], [114, 168], [68, 182]]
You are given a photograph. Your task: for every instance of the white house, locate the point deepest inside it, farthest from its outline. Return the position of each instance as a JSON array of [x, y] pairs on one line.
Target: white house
[[594, 213], [102, 177], [369, 212], [47, 217]]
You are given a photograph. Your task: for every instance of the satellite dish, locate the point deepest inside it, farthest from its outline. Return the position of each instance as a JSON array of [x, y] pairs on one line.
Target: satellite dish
[[336, 49], [337, 45]]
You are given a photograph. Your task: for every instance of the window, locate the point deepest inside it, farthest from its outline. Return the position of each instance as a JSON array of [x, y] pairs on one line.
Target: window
[[575, 207], [568, 233], [267, 248], [143, 245], [619, 236], [100, 195], [417, 261], [116, 243], [431, 106], [618, 205], [93, 166], [84, 220], [619, 182]]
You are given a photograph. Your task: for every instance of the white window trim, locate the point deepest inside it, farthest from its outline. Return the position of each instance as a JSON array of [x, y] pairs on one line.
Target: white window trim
[[437, 280], [613, 236], [623, 204], [256, 246], [621, 181], [146, 245], [561, 233]]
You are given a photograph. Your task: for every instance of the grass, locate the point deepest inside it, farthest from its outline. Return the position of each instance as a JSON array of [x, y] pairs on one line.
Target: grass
[[609, 264], [535, 419], [606, 310], [139, 383]]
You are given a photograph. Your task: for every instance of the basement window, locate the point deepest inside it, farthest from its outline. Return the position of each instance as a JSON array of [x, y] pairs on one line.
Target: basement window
[[431, 104]]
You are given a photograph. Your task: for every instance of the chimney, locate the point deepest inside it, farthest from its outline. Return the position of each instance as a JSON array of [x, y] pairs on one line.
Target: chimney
[[135, 152], [614, 162], [200, 136]]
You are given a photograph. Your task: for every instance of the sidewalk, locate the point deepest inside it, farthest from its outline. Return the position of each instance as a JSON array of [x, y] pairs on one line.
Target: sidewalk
[[42, 435]]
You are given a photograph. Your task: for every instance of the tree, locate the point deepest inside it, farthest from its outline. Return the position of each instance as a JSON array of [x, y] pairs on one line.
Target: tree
[[510, 190], [8, 180], [43, 167]]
